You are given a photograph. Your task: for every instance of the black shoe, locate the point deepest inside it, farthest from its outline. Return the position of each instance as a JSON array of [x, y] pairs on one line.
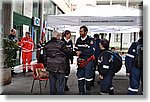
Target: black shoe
[[24, 71], [111, 93], [92, 84], [88, 92], [30, 70], [66, 88], [81, 93], [13, 73], [98, 82]]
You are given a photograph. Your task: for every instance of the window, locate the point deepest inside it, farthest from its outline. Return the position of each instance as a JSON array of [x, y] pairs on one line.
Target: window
[[117, 37], [73, 38], [103, 2], [132, 37], [49, 8], [119, 2], [48, 34], [36, 9], [18, 6]]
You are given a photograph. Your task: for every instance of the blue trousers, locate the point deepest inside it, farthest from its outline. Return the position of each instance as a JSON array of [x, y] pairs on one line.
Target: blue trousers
[[57, 83], [136, 76], [106, 84], [85, 76]]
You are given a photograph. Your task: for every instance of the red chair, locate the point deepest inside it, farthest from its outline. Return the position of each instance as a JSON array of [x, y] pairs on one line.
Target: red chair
[[35, 66]]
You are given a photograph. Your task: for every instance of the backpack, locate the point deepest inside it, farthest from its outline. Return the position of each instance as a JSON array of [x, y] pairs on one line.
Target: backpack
[[117, 60], [138, 60]]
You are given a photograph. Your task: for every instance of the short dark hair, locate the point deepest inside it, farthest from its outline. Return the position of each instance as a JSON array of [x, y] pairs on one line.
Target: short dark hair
[[105, 43], [85, 28], [28, 33], [141, 34], [66, 33], [113, 48], [96, 36], [12, 30]]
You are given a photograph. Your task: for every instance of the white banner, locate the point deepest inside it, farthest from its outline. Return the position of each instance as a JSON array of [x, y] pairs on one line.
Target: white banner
[[111, 21]]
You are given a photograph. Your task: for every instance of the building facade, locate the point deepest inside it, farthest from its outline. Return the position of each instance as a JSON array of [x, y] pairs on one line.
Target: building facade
[[127, 3], [30, 15]]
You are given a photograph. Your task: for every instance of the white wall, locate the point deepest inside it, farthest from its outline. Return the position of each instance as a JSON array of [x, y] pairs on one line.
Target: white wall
[[17, 6], [28, 8], [25, 29], [126, 40], [23, 6], [112, 41]]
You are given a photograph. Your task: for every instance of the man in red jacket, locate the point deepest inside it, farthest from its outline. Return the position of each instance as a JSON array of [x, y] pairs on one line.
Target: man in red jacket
[[27, 46]]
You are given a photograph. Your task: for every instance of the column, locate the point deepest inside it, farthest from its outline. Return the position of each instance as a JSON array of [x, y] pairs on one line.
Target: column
[[121, 41], [41, 15], [7, 17], [127, 3]]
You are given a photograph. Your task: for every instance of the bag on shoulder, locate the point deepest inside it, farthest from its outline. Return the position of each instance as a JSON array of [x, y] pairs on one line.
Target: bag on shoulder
[[117, 63], [117, 60], [138, 60]]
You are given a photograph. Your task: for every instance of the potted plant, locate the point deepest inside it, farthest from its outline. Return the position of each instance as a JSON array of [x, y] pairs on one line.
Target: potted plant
[[9, 51]]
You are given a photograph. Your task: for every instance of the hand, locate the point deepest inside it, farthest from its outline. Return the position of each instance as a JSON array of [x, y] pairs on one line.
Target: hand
[[128, 74], [78, 53], [101, 77]]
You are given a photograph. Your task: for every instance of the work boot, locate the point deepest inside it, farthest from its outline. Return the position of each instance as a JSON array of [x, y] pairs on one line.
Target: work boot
[[81, 93], [88, 92], [24, 68], [98, 82], [66, 88], [102, 93], [24, 71], [92, 83], [13, 73], [111, 92]]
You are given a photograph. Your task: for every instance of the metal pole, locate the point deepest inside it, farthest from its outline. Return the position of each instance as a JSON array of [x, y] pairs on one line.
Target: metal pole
[[110, 2], [134, 36], [121, 41], [109, 37], [41, 15], [127, 3]]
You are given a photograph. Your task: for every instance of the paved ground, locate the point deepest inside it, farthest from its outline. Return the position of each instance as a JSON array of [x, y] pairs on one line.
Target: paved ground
[[21, 84]]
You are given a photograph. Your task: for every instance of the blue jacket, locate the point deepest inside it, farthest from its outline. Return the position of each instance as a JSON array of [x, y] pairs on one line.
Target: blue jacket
[[86, 46], [97, 48], [105, 63], [69, 45], [131, 55]]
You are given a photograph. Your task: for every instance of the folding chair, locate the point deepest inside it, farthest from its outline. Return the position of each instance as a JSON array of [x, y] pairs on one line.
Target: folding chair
[[35, 66]]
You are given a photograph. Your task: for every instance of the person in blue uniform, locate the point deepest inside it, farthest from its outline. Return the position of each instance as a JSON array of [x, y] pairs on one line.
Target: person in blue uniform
[[69, 57], [40, 51], [134, 72], [96, 54], [105, 69], [84, 48]]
